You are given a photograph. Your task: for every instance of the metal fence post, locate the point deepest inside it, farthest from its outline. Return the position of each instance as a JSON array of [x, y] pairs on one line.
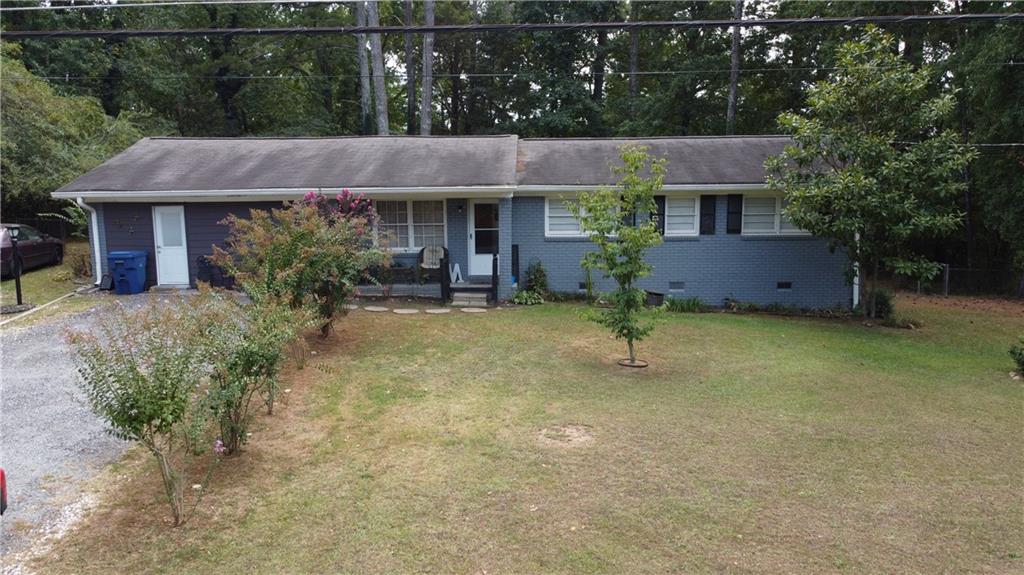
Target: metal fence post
[[945, 280]]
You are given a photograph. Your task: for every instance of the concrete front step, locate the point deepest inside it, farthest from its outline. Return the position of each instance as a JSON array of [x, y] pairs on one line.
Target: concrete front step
[[469, 303]]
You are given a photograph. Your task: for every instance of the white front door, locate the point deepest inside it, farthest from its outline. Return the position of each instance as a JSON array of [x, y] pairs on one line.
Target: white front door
[[483, 235], [171, 250]]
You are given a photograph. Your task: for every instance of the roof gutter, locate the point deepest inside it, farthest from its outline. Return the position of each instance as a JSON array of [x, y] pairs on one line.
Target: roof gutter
[[542, 189], [271, 194], [94, 238]]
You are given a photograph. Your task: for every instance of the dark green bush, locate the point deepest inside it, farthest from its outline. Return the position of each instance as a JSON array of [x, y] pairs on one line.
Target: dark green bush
[[536, 279], [526, 297], [883, 303], [1017, 353], [684, 305]]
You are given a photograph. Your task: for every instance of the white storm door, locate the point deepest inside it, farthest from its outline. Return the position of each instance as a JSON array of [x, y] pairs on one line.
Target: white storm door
[[483, 236], [171, 250]]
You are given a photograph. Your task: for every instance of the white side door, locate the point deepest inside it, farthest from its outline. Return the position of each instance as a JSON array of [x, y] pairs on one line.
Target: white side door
[[171, 248], [483, 235]]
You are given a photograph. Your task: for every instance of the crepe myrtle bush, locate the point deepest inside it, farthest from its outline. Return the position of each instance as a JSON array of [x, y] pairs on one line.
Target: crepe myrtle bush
[[310, 252], [248, 343], [145, 372]]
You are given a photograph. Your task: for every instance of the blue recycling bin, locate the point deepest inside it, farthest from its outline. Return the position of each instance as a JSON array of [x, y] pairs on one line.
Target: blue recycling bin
[[128, 270]]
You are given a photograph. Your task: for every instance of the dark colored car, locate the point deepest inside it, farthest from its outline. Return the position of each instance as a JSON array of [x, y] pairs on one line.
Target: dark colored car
[[34, 249]]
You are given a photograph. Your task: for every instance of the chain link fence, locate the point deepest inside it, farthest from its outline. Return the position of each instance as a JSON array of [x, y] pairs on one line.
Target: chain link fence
[[967, 281]]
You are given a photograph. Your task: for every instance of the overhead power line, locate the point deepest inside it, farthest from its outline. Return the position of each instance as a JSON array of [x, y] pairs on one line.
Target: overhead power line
[[528, 27], [154, 3], [402, 75]]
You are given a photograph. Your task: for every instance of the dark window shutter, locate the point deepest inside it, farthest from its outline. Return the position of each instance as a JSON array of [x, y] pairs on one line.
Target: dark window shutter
[[734, 219], [660, 214], [707, 215]]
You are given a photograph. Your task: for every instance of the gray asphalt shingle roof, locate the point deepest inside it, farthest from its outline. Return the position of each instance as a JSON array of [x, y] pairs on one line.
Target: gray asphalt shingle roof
[[205, 164], [691, 160]]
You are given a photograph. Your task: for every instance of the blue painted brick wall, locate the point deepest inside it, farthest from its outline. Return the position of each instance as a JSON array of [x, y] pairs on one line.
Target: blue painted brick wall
[[713, 267]]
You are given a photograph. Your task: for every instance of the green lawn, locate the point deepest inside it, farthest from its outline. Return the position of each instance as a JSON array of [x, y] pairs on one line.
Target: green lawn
[[41, 285], [510, 442]]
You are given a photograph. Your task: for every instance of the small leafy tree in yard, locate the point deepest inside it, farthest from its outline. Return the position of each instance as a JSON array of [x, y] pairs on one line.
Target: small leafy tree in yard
[[311, 252], [871, 171], [608, 216], [145, 373]]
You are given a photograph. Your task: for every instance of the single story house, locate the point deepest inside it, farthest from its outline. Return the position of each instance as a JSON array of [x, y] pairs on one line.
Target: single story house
[[725, 236]]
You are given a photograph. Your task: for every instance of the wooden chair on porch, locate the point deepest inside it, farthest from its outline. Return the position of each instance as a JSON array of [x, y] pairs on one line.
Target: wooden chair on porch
[[432, 266]]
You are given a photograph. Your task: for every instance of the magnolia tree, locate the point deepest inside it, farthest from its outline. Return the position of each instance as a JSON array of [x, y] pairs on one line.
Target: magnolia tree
[[871, 169], [310, 252], [618, 221]]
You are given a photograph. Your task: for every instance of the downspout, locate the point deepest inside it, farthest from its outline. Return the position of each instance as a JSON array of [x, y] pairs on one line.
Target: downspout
[[856, 275], [856, 285], [94, 239]]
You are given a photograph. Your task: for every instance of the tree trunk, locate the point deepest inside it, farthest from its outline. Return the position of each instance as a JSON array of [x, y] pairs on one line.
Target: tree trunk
[[599, 59], [454, 66], [172, 485], [632, 351], [962, 112], [364, 71], [427, 91], [734, 71], [410, 76], [634, 60], [872, 311], [380, 94]]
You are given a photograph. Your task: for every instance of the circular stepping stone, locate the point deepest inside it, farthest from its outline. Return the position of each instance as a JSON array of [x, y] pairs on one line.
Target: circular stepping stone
[[472, 309], [351, 306], [375, 308], [438, 310], [406, 311]]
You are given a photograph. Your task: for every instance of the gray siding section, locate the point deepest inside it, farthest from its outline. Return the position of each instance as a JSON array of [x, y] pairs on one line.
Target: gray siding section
[[129, 226], [505, 236], [458, 235], [711, 267]]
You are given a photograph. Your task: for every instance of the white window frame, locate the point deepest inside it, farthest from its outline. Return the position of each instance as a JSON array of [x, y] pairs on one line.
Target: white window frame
[[410, 224], [777, 228], [696, 217], [547, 221]]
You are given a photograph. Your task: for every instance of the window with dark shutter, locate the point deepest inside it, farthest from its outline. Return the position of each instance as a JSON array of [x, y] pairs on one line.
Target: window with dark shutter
[[707, 215], [734, 215], [660, 214]]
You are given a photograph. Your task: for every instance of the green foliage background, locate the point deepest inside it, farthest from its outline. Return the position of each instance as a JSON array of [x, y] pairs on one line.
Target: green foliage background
[[530, 84]]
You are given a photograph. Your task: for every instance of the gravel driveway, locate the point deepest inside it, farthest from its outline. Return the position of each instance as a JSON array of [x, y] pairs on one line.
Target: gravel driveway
[[49, 440]]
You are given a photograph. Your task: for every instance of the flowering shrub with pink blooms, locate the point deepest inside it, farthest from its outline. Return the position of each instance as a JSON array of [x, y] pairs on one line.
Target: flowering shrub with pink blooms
[[312, 252]]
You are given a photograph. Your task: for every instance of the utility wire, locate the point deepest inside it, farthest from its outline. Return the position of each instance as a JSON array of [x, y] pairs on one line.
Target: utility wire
[[528, 27], [401, 75], [51, 7]]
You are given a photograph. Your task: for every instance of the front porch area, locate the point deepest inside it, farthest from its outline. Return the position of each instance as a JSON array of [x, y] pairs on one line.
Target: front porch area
[[475, 233]]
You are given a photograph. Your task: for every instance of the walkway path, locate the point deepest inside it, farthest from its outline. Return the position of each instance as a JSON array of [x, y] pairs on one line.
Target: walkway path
[[415, 311]]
